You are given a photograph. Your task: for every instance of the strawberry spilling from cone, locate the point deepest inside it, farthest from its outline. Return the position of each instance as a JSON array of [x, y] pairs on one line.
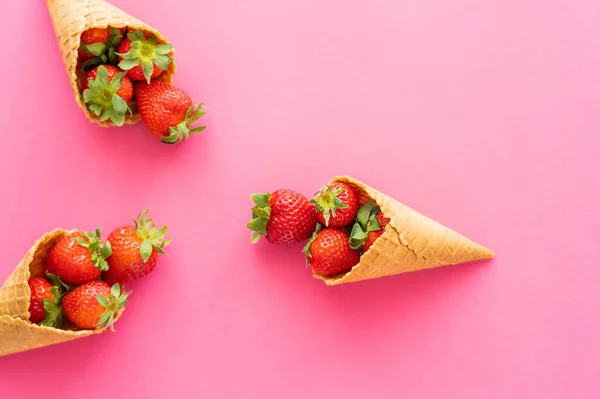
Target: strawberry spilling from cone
[[354, 232], [76, 283], [121, 70]]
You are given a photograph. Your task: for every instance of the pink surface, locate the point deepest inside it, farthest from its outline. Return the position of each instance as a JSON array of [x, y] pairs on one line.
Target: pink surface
[[482, 115]]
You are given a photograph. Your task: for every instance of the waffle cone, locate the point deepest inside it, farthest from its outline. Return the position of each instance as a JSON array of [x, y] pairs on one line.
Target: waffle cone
[[411, 242], [70, 18], [17, 334]]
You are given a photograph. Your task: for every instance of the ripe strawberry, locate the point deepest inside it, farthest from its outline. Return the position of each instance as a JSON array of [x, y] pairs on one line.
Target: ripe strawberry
[[372, 236], [141, 56], [106, 92], [95, 42], [329, 252], [167, 111], [135, 250], [284, 217], [336, 204], [78, 257], [45, 301], [94, 304], [370, 225]]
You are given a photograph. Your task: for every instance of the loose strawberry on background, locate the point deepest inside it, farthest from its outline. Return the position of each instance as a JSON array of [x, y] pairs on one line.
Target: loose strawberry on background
[[107, 92], [143, 57], [336, 205], [79, 257], [45, 301], [284, 217], [370, 225], [329, 252], [167, 112], [94, 305], [135, 250], [98, 46]]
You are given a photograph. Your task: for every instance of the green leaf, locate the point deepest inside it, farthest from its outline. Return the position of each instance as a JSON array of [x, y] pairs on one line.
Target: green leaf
[[96, 49], [102, 76], [119, 105], [162, 61], [102, 300], [259, 224], [146, 250], [115, 290], [147, 68], [106, 250], [127, 64], [255, 237], [82, 241], [357, 237], [261, 200], [163, 49]]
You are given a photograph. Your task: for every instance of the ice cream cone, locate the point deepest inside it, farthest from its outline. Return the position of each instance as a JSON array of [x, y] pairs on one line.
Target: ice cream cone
[[17, 334], [70, 18], [411, 242]]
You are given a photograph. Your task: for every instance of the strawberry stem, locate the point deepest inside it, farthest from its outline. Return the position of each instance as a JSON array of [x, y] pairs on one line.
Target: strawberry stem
[[115, 302], [153, 237], [183, 130], [327, 201]]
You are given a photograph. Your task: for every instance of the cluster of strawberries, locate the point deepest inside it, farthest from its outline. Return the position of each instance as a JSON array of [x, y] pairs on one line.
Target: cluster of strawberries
[[339, 230], [119, 69], [84, 274]]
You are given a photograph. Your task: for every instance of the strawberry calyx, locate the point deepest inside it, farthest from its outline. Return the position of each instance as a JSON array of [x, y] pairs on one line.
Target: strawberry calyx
[[116, 301], [54, 315], [153, 237], [182, 130], [366, 221], [102, 53], [261, 213], [99, 249], [146, 52], [102, 98], [306, 248], [327, 201]]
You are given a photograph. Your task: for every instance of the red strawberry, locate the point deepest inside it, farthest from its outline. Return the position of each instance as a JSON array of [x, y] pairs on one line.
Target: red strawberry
[[167, 111], [94, 304], [135, 250], [372, 236], [336, 204], [78, 257], [45, 301], [107, 91], [329, 252], [94, 43], [284, 217], [143, 57]]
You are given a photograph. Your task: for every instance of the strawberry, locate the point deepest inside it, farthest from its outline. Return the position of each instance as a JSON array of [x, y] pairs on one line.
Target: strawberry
[[374, 235], [167, 111], [78, 257], [143, 57], [45, 301], [329, 252], [336, 204], [94, 305], [285, 217], [107, 91], [97, 46], [370, 225], [135, 250]]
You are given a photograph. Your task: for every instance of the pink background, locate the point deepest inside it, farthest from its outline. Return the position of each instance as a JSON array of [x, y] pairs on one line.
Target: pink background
[[481, 114]]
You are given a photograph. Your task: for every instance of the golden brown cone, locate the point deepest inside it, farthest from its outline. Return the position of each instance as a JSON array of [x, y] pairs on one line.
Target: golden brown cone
[[17, 334], [411, 242], [71, 17]]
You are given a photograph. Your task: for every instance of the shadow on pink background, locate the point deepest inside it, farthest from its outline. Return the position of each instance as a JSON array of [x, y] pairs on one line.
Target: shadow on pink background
[[482, 115]]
